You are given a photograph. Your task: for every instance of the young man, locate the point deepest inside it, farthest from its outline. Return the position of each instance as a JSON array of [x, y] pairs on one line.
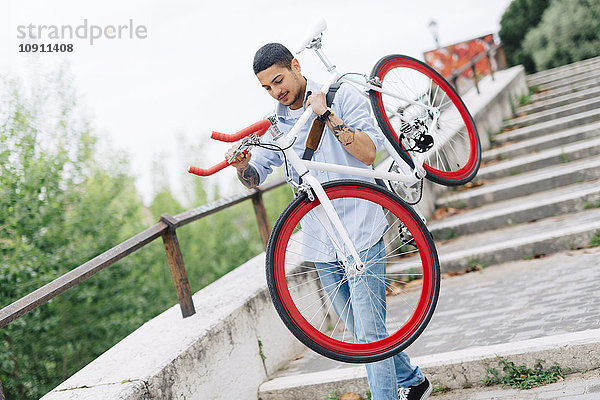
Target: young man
[[350, 138]]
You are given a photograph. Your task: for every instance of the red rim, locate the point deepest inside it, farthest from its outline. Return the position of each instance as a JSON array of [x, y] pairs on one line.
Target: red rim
[[471, 163], [356, 349]]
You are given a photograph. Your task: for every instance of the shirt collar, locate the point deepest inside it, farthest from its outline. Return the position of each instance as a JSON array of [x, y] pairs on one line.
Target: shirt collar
[[283, 111]]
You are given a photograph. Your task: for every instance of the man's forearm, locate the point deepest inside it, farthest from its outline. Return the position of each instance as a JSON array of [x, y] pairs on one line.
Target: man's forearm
[[248, 176], [356, 142], [344, 133]]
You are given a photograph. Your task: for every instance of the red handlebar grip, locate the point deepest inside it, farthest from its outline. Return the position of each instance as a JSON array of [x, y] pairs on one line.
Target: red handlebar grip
[[259, 128], [208, 171]]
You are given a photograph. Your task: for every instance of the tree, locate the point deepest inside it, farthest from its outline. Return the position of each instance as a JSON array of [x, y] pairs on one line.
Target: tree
[[60, 205], [569, 31], [517, 20]]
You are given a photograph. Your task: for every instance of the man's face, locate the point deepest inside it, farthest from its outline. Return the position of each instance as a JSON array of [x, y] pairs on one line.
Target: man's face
[[284, 85]]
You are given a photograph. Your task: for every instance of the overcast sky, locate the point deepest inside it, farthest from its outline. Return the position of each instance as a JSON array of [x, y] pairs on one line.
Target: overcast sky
[[154, 96]]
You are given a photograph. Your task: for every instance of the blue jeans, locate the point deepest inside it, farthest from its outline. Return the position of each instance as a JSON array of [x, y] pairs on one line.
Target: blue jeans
[[352, 300]]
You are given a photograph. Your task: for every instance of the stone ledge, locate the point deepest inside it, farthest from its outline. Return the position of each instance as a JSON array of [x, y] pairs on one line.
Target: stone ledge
[[457, 369], [235, 327]]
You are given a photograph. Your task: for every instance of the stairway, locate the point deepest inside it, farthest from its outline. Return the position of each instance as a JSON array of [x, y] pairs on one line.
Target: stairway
[[538, 190], [533, 212]]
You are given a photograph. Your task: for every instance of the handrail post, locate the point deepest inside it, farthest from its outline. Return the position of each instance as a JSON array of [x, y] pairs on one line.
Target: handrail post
[[261, 217], [175, 260], [489, 59], [475, 77]]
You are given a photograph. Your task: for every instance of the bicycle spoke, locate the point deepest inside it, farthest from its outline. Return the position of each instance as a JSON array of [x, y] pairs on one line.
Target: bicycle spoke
[[336, 305]]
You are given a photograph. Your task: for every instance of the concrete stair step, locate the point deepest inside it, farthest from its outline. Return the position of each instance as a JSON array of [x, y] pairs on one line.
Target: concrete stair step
[[544, 128], [562, 71], [528, 309], [523, 241], [524, 184], [571, 198], [536, 144], [567, 81], [543, 159], [554, 113], [559, 101], [568, 89]]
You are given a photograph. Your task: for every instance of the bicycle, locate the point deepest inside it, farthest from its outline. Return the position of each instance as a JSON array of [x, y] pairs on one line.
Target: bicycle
[[429, 134]]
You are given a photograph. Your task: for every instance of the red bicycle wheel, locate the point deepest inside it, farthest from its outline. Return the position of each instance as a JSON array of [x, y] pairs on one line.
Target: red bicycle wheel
[[395, 294], [422, 114]]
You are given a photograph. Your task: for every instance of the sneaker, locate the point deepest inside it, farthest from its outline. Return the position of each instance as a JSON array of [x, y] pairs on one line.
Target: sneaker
[[418, 392]]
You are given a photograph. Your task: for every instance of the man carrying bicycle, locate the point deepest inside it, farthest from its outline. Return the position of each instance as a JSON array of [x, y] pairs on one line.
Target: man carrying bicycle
[[351, 139]]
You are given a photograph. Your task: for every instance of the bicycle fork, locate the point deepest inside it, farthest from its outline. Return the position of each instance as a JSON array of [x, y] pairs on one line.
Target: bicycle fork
[[327, 216], [330, 220]]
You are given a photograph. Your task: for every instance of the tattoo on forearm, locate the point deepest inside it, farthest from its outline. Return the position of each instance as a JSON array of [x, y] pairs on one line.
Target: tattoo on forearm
[[249, 177], [344, 133]]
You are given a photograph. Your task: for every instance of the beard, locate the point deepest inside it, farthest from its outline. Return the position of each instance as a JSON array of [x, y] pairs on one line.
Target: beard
[[294, 96]]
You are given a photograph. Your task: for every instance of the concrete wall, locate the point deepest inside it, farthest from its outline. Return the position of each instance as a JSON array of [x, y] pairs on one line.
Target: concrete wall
[[230, 346], [236, 340]]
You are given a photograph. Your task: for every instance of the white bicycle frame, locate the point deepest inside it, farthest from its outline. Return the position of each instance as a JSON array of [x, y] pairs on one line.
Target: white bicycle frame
[[327, 214]]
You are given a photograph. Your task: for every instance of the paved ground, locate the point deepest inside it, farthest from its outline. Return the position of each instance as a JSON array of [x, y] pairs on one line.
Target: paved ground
[[516, 301], [579, 386], [504, 303]]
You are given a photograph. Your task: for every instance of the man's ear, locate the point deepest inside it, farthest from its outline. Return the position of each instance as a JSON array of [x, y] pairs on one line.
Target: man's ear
[[296, 66]]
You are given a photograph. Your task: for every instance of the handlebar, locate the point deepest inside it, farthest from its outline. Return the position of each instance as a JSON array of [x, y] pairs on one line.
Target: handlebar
[[208, 171], [259, 128]]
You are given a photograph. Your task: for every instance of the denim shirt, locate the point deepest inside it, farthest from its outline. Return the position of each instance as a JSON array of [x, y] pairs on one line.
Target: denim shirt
[[365, 222]]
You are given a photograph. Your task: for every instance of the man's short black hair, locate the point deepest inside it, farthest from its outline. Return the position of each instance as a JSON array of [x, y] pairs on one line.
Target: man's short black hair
[[272, 54]]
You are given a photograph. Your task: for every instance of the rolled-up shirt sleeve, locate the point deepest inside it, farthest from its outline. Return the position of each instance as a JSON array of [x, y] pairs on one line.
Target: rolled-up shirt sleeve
[[354, 109]]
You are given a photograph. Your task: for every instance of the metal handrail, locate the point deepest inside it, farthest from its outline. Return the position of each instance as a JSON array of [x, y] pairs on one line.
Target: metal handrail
[[165, 228], [453, 77]]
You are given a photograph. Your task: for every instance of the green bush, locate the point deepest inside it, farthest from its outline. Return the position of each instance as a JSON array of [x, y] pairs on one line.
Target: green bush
[[568, 32], [517, 20], [62, 204]]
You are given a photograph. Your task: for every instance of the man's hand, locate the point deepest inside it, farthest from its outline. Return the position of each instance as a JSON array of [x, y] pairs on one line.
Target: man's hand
[[241, 160], [356, 142], [246, 174], [318, 102]]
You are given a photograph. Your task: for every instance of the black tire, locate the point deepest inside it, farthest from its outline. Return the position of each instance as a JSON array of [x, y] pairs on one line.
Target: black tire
[[450, 165], [296, 290]]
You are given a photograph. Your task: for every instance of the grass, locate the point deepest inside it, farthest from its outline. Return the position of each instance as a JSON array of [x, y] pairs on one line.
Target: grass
[[535, 255], [446, 234], [260, 351], [439, 389], [525, 99], [474, 264], [332, 396], [521, 377], [595, 240], [534, 89], [589, 205]]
